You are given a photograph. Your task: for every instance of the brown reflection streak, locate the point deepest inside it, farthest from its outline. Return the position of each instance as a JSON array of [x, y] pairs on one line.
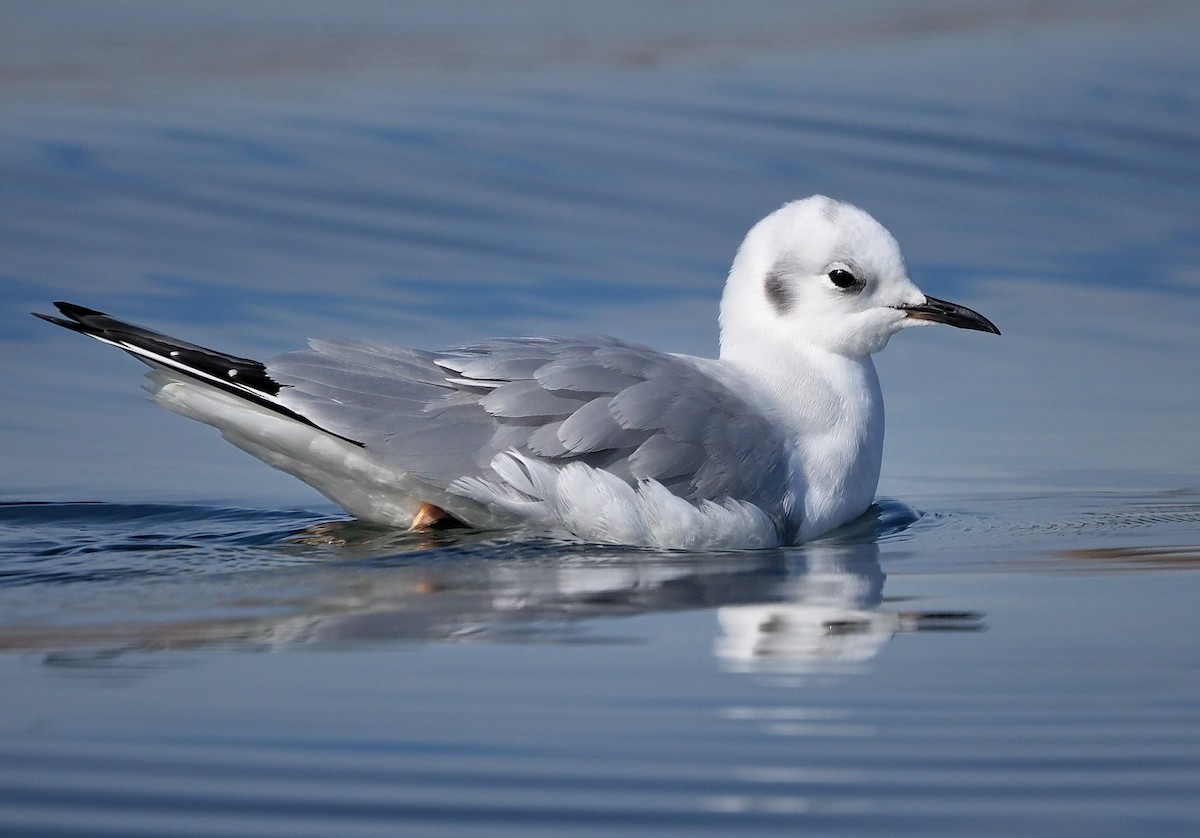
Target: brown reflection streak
[[1138, 558], [143, 636]]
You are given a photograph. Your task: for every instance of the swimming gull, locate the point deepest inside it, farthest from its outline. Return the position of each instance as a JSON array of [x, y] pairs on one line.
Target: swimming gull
[[777, 441]]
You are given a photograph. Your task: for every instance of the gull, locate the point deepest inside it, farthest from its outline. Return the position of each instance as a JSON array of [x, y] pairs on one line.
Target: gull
[[777, 441]]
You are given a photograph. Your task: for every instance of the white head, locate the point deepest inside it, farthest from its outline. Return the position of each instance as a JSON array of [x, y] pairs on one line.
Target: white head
[[826, 274]]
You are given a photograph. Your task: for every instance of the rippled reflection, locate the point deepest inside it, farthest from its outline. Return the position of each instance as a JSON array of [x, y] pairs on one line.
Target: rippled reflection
[[343, 583], [828, 618]]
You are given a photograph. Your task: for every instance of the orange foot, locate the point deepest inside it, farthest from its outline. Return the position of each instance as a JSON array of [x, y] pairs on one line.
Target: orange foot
[[430, 517]]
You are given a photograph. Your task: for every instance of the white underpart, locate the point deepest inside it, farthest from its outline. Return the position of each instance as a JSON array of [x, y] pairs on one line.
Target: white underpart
[[345, 473], [833, 408], [598, 507], [841, 459]]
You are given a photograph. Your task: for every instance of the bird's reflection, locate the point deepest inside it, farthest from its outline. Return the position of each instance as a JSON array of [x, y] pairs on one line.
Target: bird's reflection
[[828, 617], [828, 611], [816, 605]]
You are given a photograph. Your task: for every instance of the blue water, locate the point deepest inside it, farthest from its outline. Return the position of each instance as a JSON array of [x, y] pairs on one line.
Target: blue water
[[192, 644]]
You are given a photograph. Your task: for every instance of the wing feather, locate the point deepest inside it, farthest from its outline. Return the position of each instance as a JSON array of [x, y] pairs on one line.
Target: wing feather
[[593, 428], [638, 413], [582, 375], [544, 442], [661, 458], [524, 399]]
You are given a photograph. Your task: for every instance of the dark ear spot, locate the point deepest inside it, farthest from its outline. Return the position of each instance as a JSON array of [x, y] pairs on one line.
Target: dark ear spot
[[777, 291]]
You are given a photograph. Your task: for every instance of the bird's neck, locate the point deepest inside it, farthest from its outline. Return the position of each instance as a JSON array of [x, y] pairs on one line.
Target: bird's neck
[[832, 407]]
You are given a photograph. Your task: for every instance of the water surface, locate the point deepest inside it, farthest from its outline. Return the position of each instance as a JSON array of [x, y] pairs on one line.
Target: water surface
[[193, 644]]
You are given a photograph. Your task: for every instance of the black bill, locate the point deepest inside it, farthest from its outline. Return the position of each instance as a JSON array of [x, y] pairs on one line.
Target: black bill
[[952, 314]]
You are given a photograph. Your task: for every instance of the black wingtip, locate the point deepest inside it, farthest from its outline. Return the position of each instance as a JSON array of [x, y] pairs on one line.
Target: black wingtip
[[49, 318], [76, 311], [216, 369], [76, 314], [58, 321]]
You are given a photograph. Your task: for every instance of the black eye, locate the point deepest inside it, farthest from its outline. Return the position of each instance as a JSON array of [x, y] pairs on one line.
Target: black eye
[[843, 278]]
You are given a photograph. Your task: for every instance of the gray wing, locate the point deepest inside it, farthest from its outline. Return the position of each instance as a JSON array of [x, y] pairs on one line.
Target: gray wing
[[635, 412]]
